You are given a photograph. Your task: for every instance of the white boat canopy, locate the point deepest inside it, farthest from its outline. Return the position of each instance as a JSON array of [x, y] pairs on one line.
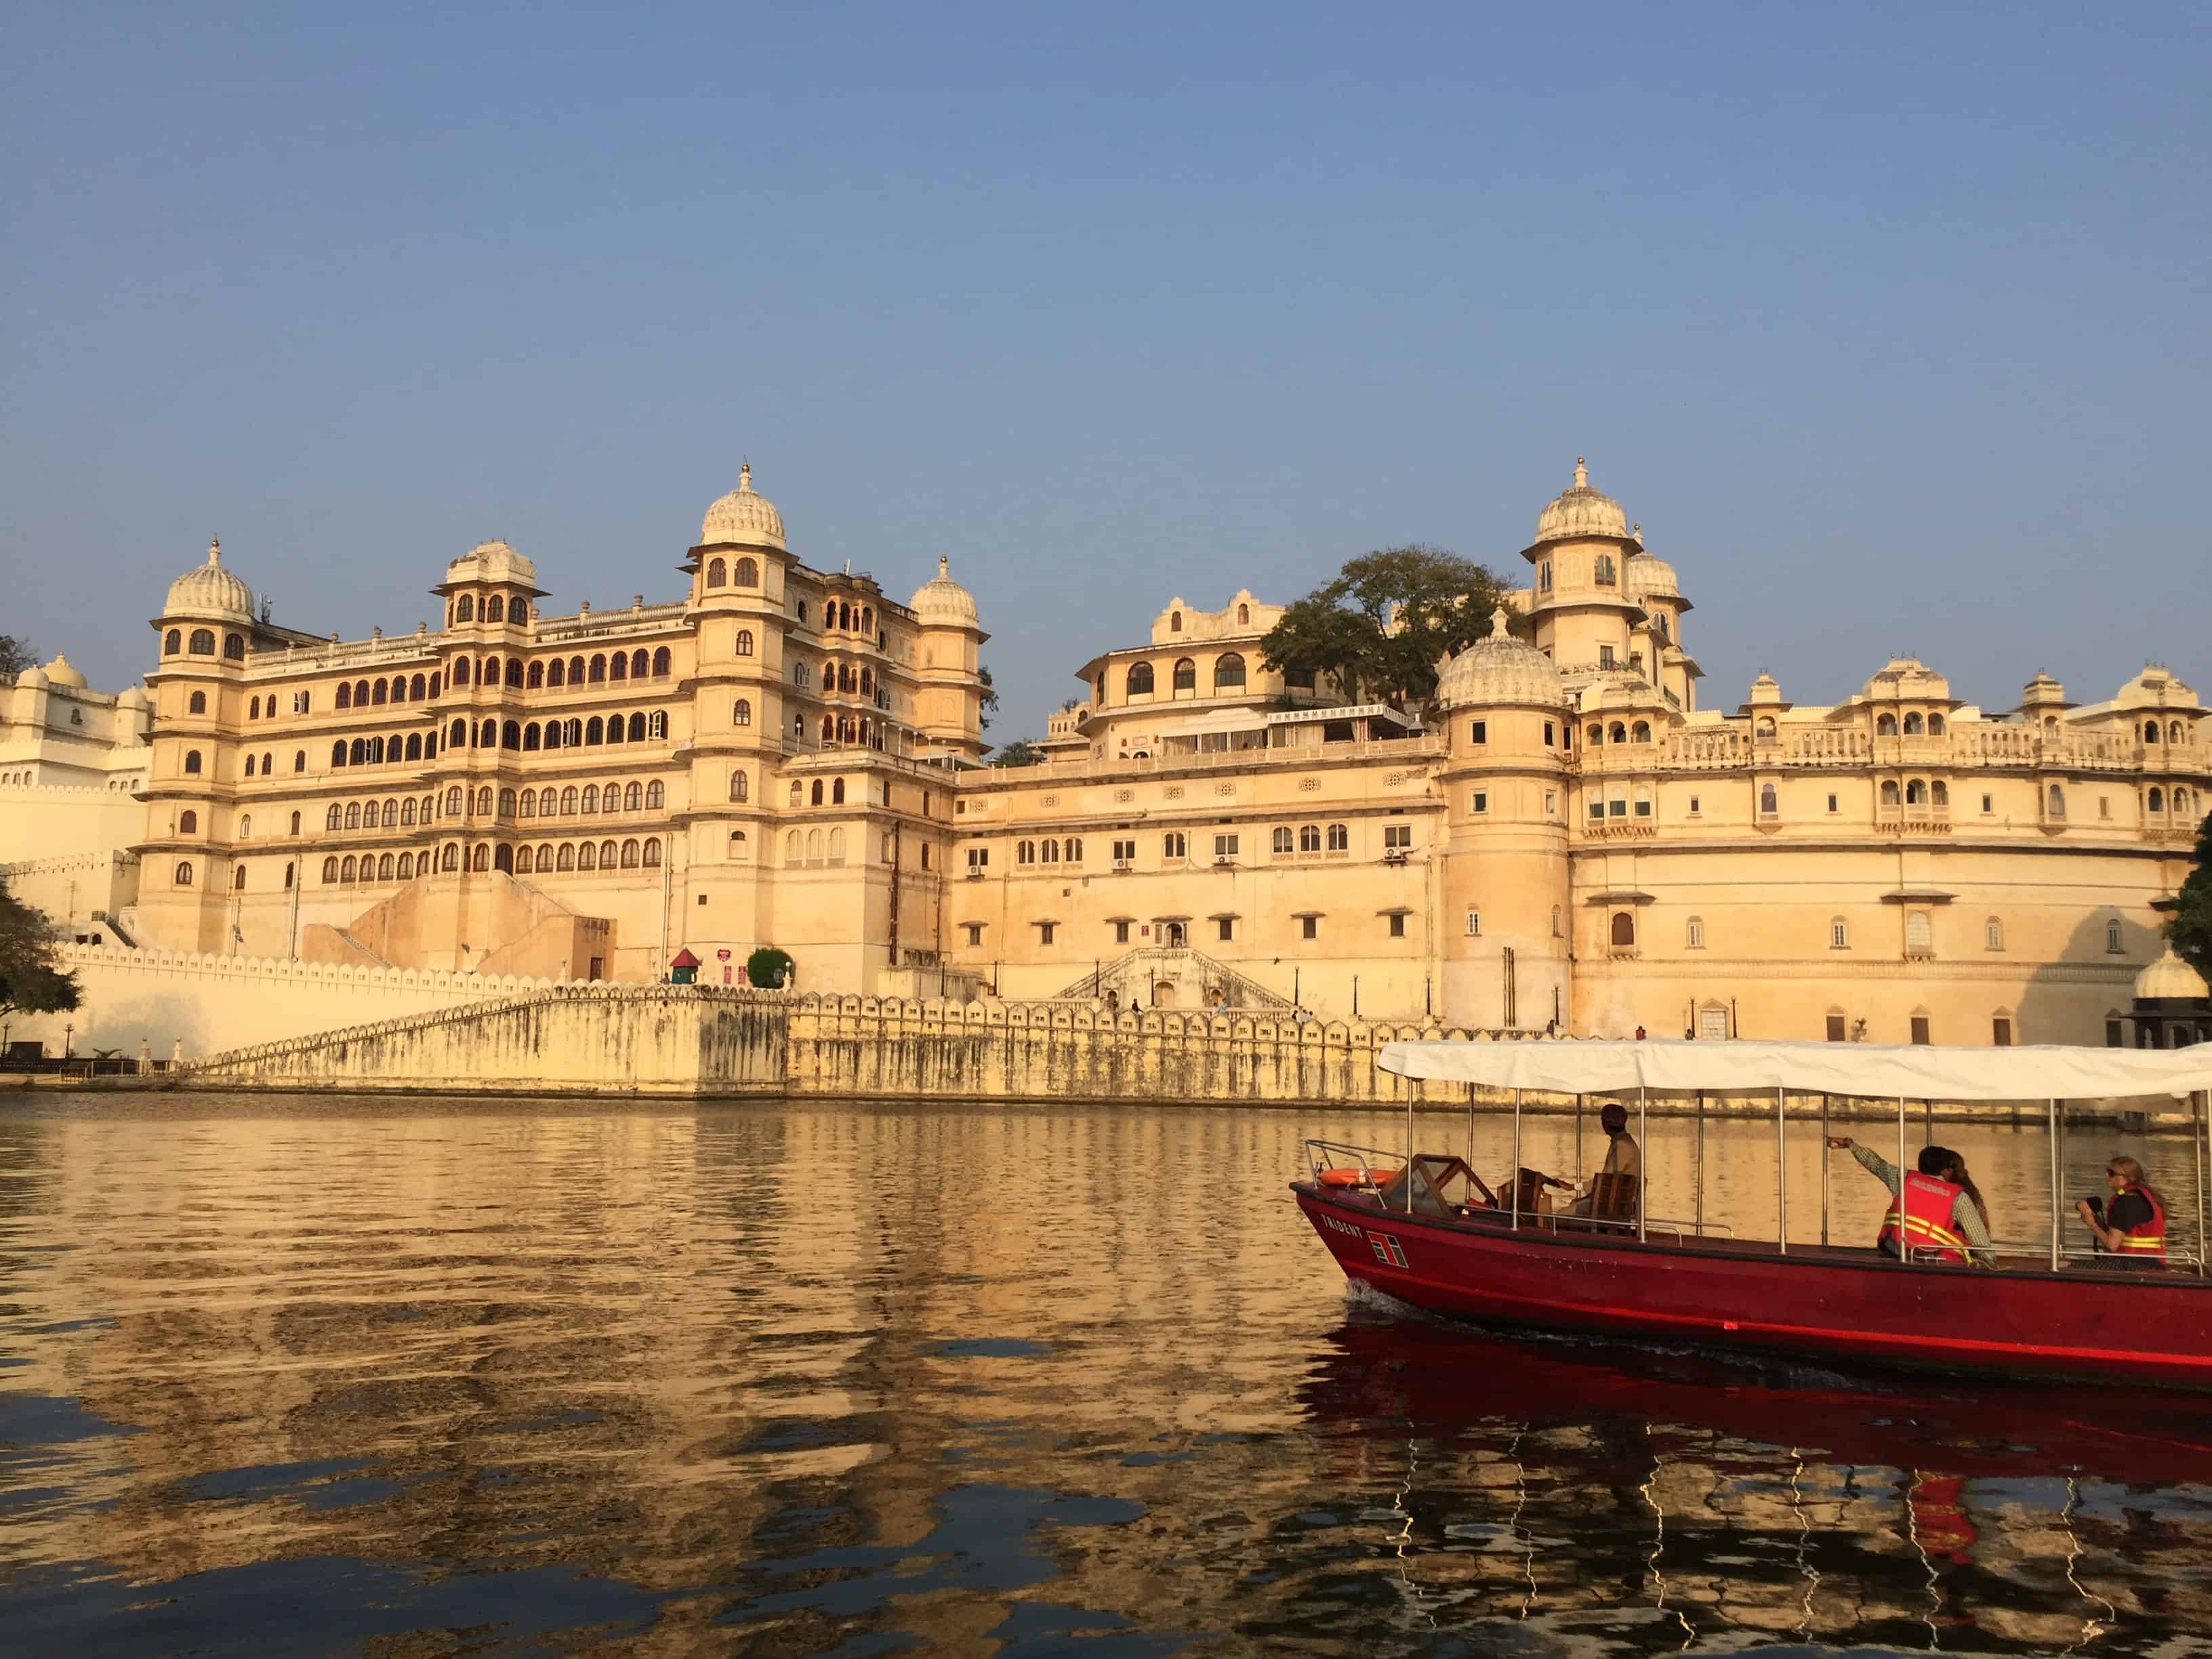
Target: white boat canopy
[[1914, 1072]]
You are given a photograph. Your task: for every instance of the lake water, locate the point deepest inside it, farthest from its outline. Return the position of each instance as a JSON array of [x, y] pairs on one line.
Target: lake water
[[324, 1376]]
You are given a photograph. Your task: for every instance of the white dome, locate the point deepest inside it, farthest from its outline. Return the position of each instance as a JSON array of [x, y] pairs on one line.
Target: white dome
[[1582, 511], [743, 517], [940, 602], [33, 678], [132, 697], [2170, 977], [492, 562], [1499, 669], [62, 671], [208, 590], [1649, 574]]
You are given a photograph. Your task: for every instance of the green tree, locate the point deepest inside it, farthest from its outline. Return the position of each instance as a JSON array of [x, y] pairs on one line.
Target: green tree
[[30, 982], [2190, 929], [769, 967], [1020, 752], [1379, 629], [990, 702], [15, 655]]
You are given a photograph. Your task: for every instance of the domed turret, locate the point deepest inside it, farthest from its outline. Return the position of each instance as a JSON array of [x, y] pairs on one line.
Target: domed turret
[[1650, 576], [1499, 669], [492, 562], [1580, 511], [2170, 978], [133, 697], [62, 671], [940, 602], [744, 518], [208, 590]]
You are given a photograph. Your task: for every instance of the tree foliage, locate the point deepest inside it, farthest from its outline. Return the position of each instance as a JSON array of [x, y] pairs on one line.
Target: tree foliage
[[1020, 752], [989, 703], [2190, 929], [15, 655], [769, 967], [1380, 629], [30, 980]]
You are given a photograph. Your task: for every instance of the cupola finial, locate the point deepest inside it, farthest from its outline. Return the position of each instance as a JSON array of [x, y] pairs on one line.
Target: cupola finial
[[1582, 473], [943, 567], [215, 550], [1498, 623], [744, 477]]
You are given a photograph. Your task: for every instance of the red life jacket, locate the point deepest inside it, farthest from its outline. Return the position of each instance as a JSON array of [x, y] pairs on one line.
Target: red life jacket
[[1928, 1229], [2146, 1240]]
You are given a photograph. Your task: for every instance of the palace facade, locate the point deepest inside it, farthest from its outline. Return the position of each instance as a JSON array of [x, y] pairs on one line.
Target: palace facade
[[787, 756]]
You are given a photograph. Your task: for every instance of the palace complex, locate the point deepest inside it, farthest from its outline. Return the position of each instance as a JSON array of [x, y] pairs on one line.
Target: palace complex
[[784, 755]]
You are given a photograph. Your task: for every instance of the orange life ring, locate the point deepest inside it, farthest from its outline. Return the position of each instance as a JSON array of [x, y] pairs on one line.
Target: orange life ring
[[1369, 1177]]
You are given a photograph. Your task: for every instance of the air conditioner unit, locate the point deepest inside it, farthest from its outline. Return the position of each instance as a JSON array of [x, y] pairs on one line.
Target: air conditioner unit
[[1394, 855], [1223, 862], [975, 872], [1124, 864]]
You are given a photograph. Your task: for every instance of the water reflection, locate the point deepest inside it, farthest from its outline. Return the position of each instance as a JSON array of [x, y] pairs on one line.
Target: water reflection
[[816, 1381]]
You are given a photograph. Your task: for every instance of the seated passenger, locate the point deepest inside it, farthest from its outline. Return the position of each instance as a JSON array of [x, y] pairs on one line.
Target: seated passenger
[[2133, 1225], [1944, 1219], [1622, 1157]]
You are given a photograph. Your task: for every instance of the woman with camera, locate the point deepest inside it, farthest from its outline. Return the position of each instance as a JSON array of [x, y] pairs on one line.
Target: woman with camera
[[2132, 1227]]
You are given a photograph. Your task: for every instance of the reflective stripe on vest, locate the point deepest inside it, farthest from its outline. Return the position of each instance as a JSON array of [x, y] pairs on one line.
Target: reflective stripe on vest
[[1928, 1206], [2146, 1237]]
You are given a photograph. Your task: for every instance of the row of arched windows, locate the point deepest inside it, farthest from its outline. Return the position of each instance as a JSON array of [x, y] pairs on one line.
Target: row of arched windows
[[369, 694], [1619, 732], [1227, 675], [637, 727], [202, 644], [1308, 838], [2156, 801], [1886, 725], [381, 751], [811, 847], [551, 672], [498, 607], [2175, 732], [614, 796], [845, 618], [545, 859], [719, 573], [801, 796], [372, 814], [1917, 791], [1048, 851]]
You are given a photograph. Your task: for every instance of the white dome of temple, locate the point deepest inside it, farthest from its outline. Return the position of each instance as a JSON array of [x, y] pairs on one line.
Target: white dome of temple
[[208, 590], [2170, 977], [1648, 575], [1582, 511], [743, 517], [1499, 669], [940, 602], [62, 671], [492, 562]]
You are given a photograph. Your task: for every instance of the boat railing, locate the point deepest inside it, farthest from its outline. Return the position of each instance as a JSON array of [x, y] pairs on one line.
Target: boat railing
[[2074, 1258]]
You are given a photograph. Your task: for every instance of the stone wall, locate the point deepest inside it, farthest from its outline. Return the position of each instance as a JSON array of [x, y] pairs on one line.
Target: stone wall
[[706, 1040]]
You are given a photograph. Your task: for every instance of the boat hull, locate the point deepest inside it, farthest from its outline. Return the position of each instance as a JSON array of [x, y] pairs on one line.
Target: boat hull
[[2140, 1328]]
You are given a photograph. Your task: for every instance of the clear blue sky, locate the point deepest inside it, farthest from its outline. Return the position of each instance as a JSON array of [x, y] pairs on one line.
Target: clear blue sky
[[1888, 322]]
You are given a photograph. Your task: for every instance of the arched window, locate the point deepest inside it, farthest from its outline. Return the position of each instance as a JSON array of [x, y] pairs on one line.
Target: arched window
[[633, 797], [465, 610], [2157, 800], [197, 704], [575, 671], [350, 869], [449, 860], [594, 731], [793, 848], [1884, 725], [620, 670], [829, 729], [2112, 940], [1940, 792], [295, 824], [1602, 571], [345, 694], [748, 576], [525, 861], [655, 796], [330, 869], [353, 815], [510, 735], [743, 645], [606, 856], [202, 642], [1916, 792], [2173, 733], [556, 672], [371, 815], [335, 818], [1174, 622], [1140, 679], [1624, 930], [2056, 801], [801, 674], [837, 792], [1025, 852], [1643, 732], [741, 712], [629, 851], [514, 673], [1913, 724], [416, 687], [1185, 674], [590, 797], [192, 761], [407, 812], [1340, 837], [188, 822], [454, 801], [741, 786], [1919, 930], [1890, 796], [1555, 921], [249, 766], [377, 693], [1840, 934], [639, 663], [718, 573], [2150, 730], [234, 647], [1228, 671], [1617, 732], [533, 736], [815, 794], [660, 663], [1693, 935], [384, 867], [1766, 727], [507, 803], [635, 727], [480, 859], [502, 859], [652, 850], [175, 642], [461, 670], [1993, 934], [1282, 838], [1768, 802], [1936, 728], [598, 672], [568, 800]]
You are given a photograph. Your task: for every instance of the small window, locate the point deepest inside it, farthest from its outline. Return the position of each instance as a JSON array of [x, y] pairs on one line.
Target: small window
[[1121, 932], [1693, 935], [1397, 837], [1921, 1035], [1605, 659], [1226, 928], [1770, 803], [1993, 934], [188, 822], [975, 931], [1840, 934], [197, 705], [1309, 926], [1175, 845], [191, 761], [183, 876], [1045, 930], [1555, 921], [1224, 846], [2115, 1032], [2001, 1031], [1397, 924], [1836, 1031], [1624, 930], [2112, 943], [1835, 802], [1919, 932], [1695, 807], [1280, 842], [1479, 801], [1340, 837], [1473, 922], [1478, 731]]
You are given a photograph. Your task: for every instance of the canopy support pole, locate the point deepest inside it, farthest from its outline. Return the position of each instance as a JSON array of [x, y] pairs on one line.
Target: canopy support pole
[[1904, 1238], [2055, 1131], [1643, 1139], [1470, 1128], [1699, 1161], [1411, 1084], [2200, 1127], [1578, 1140], [1781, 1176], [1516, 1161], [1824, 1171]]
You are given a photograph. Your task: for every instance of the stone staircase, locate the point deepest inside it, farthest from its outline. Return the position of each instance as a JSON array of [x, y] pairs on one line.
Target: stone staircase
[[1192, 971]]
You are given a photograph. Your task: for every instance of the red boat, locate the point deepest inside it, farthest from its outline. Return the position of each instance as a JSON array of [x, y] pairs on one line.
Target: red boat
[[1426, 1230]]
